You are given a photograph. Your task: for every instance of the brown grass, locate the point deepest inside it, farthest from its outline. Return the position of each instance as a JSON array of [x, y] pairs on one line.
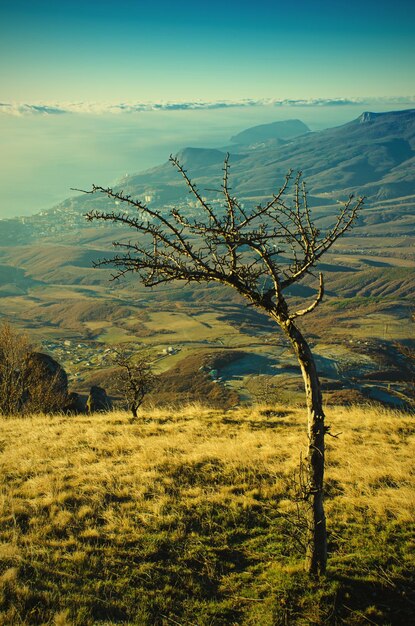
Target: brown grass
[[101, 514]]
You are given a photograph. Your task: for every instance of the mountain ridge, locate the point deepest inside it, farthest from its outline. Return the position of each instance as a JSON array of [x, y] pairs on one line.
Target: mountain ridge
[[283, 130], [372, 155], [343, 159]]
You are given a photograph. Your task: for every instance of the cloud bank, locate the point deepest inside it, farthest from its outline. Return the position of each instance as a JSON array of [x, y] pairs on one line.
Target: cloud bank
[[20, 108]]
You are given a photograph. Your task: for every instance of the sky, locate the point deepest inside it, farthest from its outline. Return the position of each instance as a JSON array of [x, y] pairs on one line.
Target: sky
[[126, 51], [92, 90]]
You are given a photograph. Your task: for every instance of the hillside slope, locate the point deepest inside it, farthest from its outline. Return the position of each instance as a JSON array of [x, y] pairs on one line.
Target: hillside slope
[[372, 154]]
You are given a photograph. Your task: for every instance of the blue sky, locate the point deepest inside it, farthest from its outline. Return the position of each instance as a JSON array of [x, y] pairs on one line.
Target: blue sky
[[136, 51], [68, 54]]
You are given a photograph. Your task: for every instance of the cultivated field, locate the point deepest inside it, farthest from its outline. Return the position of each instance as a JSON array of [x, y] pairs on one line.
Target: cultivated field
[[190, 517]]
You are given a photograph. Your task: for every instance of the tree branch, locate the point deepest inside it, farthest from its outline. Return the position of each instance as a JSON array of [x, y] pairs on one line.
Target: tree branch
[[314, 304]]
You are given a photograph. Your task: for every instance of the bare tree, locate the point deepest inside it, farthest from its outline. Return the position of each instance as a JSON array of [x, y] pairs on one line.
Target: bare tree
[[261, 252], [30, 381], [134, 378], [14, 351]]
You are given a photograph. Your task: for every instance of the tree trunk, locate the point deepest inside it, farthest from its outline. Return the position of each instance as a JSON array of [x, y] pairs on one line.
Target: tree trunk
[[316, 556]]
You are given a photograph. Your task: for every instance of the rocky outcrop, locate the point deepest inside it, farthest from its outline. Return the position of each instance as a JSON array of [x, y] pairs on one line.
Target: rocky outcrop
[[45, 384], [43, 367], [75, 404], [98, 401]]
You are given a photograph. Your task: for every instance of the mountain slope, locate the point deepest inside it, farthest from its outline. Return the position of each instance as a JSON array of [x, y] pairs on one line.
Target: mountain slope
[[347, 157], [372, 155]]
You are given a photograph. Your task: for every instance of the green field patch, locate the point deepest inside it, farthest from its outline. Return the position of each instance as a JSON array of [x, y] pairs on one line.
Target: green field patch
[[185, 327], [114, 334]]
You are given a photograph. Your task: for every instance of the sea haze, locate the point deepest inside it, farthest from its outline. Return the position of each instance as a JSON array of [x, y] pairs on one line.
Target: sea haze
[[43, 156]]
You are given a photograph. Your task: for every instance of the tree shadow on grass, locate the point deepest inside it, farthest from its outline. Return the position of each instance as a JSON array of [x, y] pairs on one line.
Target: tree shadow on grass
[[389, 600], [349, 600]]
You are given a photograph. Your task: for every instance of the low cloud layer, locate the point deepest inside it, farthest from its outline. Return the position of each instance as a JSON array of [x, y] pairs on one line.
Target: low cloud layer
[[20, 108]]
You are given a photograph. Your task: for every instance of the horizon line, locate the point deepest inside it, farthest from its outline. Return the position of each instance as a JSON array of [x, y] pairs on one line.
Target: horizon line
[[16, 108]]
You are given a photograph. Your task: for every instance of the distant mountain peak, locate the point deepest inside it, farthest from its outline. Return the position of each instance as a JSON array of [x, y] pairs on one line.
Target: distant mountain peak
[[200, 157], [191, 152], [367, 116], [283, 130]]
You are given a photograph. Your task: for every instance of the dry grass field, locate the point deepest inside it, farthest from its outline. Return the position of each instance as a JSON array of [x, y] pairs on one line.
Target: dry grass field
[[189, 517]]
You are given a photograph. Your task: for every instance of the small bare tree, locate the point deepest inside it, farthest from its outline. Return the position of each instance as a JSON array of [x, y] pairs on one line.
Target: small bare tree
[[134, 378], [261, 252]]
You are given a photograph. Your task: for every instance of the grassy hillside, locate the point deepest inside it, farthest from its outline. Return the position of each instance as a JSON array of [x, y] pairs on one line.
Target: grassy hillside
[[190, 518]]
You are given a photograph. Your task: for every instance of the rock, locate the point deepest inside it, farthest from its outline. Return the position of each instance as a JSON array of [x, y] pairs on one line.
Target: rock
[[75, 405], [98, 401], [45, 384], [43, 366]]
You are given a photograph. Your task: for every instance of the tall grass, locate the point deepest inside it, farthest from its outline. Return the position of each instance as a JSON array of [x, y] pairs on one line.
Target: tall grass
[[188, 517]]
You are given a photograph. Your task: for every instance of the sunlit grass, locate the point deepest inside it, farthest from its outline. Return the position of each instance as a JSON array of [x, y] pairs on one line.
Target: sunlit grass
[[188, 517]]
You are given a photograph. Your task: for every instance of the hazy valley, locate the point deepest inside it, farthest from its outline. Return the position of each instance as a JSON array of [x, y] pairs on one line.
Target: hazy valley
[[49, 286]]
